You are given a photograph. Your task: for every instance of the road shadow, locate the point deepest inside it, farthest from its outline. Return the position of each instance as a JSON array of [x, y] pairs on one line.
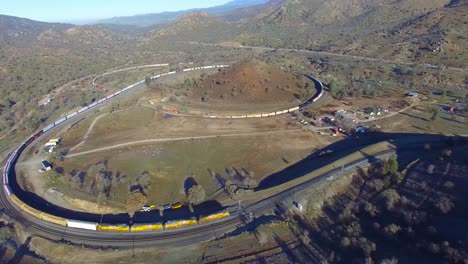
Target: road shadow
[[343, 148], [314, 161]]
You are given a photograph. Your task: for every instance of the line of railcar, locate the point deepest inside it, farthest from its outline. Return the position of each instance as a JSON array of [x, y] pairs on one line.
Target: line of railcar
[[120, 227], [81, 224]]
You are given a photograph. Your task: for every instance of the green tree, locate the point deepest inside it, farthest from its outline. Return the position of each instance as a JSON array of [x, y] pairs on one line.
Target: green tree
[[392, 164], [332, 87], [148, 81], [435, 113]]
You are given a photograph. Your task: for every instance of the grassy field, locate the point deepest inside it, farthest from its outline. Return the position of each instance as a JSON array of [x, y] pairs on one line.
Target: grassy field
[[169, 164], [418, 120]]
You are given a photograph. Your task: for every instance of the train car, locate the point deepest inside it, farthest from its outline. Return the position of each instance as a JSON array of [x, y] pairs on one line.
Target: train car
[[83, 109], [53, 219], [146, 227], [177, 205], [48, 127], [82, 224], [101, 100], [293, 109], [72, 115], [92, 104], [115, 228], [209, 67], [16, 201], [6, 187], [61, 120], [180, 223], [117, 93], [110, 96], [258, 115], [171, 72], [24, 207], [214, 217]]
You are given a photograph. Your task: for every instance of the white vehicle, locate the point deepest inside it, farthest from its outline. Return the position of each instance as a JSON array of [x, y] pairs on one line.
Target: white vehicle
[[298, 206], [53, 144], [145, 209]]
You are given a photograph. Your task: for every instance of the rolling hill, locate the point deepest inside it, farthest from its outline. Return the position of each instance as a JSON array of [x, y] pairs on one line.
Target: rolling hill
[[146, 20]]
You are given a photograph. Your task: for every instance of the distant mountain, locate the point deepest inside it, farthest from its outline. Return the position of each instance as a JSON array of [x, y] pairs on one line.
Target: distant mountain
[[22, 32], [17, 30], [199, 26], [246, 13], [146, 20]]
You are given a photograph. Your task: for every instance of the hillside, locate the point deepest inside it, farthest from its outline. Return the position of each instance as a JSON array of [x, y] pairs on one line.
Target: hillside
[[252, 84], [195, 26], [40, 57], [418, 30], [251, 12], [438, 37], [18, 31], [146, 20]]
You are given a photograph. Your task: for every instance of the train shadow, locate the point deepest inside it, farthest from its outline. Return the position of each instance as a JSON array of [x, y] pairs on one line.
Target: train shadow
[[39, 203], [314, 161], [345, 147]]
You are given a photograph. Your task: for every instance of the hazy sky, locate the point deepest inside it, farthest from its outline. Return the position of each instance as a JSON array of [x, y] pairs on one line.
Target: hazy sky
[[81, 10]]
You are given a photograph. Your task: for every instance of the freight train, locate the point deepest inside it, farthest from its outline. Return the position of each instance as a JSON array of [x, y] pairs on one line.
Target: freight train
[[120, 227]]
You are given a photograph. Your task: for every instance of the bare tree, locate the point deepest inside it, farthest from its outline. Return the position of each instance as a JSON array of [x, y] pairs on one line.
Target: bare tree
[[196, 194], [444, 205], [135, 201]]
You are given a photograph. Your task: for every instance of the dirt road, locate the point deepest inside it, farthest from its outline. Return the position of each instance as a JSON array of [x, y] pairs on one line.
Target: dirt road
[[156, 140]]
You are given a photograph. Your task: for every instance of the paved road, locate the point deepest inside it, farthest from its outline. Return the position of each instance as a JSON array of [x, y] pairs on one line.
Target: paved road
[[177, 237], [425, 65]]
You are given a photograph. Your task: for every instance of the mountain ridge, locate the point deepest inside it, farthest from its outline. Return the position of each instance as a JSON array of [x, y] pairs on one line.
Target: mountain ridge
[[152, 19]]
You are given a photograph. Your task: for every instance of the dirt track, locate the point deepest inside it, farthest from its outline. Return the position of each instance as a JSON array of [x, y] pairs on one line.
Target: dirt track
[[177, 139]]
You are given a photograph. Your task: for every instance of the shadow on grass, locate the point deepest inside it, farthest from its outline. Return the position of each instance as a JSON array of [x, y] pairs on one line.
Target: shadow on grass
[[314, 161], [343, 148], [24, 250]]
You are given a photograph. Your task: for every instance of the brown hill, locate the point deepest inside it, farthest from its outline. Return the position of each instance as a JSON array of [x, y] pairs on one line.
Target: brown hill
[[437, 37], [253, 84], [194, 24], [251, 12], [22, 31], [432, 31]]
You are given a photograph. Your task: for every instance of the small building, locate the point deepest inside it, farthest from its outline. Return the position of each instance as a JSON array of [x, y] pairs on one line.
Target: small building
[[46, 165]]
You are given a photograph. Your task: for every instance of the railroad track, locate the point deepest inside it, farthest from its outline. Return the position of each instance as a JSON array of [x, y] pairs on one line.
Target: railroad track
[[174, 237]]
